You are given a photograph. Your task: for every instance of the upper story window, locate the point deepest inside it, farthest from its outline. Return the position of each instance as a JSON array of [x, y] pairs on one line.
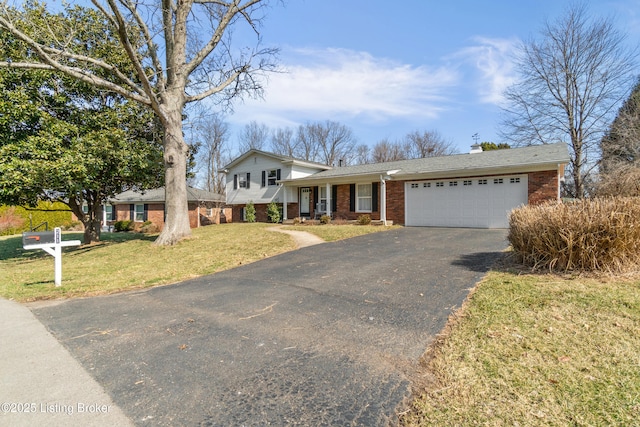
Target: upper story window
[[241, 180], [270, 177]]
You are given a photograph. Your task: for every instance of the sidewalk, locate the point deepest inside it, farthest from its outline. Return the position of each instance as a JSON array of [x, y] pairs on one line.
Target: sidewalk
[[41, 383], [302, 238]]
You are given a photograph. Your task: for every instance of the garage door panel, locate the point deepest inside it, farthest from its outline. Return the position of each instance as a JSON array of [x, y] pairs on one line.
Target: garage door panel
[[479, 202]]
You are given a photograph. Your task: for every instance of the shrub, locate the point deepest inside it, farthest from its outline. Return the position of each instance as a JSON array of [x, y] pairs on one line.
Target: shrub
[[10, 221], [273, 212], [364, 220], [586, 235], [250, 212], [325, 219], [55, 214], [124, 225], [148, 227]]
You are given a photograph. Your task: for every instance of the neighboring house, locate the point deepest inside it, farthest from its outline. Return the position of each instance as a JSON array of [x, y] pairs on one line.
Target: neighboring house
[[255, 177], [139, 206], [464, 190]]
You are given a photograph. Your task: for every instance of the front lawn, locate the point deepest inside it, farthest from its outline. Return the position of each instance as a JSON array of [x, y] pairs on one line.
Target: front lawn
[[124, 261], [536, 350]]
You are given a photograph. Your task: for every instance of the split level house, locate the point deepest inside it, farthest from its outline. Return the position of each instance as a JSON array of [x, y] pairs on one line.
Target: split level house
[[474, 190]]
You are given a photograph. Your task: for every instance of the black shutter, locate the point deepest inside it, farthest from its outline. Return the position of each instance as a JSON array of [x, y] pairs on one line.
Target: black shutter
[[374, 197], [145, 216], [278, 174], [132, 212], [316, 191], [248, 179], [235, 182], [352, 197], [334, 198], [264, 178]]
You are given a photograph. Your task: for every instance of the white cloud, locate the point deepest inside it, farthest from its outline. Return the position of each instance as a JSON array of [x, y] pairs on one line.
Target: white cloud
[[493, 60], [342, 84]]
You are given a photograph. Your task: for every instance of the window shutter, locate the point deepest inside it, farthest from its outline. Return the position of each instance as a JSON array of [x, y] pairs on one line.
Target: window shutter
[[264, 178], [316, 192], [132, 212], [352, 197], [278, 174], [334, 198], [235, 182], [145, 216], [248, 179], [374, 197]]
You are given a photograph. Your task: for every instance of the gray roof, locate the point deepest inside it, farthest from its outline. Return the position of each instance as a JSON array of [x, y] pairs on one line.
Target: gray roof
[[157, 195], [283, 159], [495, 161]]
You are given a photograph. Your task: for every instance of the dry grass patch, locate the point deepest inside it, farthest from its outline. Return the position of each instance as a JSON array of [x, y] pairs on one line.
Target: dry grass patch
[[537, 350], [586, 235], [126, 261]]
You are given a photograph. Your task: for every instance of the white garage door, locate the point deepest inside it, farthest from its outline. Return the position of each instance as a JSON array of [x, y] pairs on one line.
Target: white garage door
[[474, 202]]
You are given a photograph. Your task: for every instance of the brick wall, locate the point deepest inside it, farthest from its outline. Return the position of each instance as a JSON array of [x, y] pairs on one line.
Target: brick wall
[[543, 186]]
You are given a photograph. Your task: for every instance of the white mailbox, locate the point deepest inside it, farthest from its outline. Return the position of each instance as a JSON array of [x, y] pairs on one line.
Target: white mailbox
[[52, 246]]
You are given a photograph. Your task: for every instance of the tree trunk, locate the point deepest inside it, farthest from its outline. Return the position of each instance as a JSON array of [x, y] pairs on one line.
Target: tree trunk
[[176, 226], [91, 231]]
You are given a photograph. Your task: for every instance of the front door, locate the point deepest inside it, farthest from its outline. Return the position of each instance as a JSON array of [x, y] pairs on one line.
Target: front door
[[305, 201]]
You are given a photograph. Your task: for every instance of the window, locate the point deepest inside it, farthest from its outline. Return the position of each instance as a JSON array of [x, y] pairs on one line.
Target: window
[[414, 185], [427, 185], [85, 209], [273, 175], [110, 212], [363, 198], [241, 180], [482, 182], [467, 182], [139, 213], [498, 181], [209, 212], [440, 184], [514, 180], [453, 183]]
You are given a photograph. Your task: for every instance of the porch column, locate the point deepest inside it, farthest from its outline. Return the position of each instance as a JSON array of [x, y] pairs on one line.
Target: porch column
[[383, 200], [104, 214], [284, 202], [328, 199]]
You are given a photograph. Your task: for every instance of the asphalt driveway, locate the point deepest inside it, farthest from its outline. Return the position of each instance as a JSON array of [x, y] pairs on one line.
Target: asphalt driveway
[[325, 335]]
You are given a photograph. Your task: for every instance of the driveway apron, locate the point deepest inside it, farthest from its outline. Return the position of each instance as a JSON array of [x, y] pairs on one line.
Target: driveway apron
[[322, 336]]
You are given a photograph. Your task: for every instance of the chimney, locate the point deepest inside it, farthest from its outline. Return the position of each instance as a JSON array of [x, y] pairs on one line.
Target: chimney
[[476, 148]]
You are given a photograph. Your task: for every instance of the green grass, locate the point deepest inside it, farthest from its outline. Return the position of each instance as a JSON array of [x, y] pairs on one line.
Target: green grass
[[331, 232], [537, 350], [124, 261]]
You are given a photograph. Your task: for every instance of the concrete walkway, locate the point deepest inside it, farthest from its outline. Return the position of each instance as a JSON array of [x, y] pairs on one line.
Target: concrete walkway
[[41, 383], [302, 238]]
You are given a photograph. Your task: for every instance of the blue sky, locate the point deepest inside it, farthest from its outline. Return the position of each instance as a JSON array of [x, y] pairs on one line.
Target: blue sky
[[387, 68]]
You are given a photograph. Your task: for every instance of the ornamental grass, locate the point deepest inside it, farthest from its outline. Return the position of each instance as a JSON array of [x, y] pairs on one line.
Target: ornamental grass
[[590, 235]]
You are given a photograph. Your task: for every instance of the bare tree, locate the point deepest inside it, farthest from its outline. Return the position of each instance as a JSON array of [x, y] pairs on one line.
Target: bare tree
[[387, 151], [283, 142], [181, 52], [214, 134], [620, 163], [362, 156], [428, 143], [254, 136], [333, 142], [571, 81]]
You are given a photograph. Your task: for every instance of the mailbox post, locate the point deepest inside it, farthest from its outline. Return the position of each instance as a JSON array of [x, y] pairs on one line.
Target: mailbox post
[[50, 242]]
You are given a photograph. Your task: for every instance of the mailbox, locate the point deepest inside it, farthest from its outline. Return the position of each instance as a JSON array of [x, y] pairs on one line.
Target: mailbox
[[37, 238]]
